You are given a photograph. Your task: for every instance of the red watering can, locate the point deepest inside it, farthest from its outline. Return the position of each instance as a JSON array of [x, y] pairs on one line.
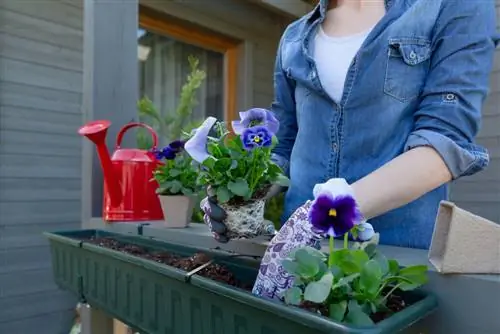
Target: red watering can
[[129, 194]]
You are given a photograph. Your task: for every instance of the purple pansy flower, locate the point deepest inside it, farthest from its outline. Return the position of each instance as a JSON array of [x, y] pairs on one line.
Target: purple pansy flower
[[334, 216], [257, 136], [176, 145], [256, 117], [170, 151], [196, 147]]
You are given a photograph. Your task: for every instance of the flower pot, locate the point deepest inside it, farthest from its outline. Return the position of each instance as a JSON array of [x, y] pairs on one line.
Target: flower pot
[[464, 243], [157, 298], [177, 210], [246, 220]]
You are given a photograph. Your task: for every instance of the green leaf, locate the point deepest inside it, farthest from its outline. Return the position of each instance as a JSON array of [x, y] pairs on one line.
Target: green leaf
[[317, 292], [393, 267], [209, 163], [239, 187], [356, 316], [282, 180], [337, 311], [223, 164], [311, 250], [175, 187], [345, 281], [369, 248], [290, 266], [416, 274], [383, 262], [308, 265], [359, 257], [337, 272], [293, 296], [223, 194], [174, 172], [371, 277]]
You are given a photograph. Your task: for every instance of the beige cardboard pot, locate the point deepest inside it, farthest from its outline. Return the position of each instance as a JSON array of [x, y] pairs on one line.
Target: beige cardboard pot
[[177, 210], [464, 243]]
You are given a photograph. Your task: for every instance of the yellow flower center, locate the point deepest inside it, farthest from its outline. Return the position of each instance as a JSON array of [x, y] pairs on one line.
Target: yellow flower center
[[256, 139], [332, 213]]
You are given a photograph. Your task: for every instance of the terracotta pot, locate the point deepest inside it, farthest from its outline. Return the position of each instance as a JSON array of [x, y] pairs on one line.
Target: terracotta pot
[[464, 243], [245, 221], [177, 210]]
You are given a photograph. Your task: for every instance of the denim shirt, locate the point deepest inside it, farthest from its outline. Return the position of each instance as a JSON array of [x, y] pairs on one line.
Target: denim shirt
[[419, 79]]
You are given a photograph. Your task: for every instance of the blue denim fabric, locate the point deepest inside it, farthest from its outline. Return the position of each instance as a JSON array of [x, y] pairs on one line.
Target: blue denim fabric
[[419, 79]]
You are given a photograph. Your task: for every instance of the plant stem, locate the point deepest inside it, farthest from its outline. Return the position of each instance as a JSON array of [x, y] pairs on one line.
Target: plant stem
[[332, 248], [346, 240], [390, 293]]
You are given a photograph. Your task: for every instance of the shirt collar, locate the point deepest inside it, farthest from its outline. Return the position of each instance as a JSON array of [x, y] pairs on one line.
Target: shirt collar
[[321, 8]]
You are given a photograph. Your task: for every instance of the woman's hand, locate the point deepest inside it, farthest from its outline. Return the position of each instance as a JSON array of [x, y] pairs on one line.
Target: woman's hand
[[214, 216]]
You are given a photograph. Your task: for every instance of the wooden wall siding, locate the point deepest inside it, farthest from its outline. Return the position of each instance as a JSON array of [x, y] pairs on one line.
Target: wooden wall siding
[[40, 156], [480, 193]]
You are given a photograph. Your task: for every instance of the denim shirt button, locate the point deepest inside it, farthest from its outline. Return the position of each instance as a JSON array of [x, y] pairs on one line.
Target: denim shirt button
[[334, 147], [413, 55], [450, 97]]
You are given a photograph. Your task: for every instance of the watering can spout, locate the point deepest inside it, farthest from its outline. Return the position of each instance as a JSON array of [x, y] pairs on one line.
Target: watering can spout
[[96, 132]]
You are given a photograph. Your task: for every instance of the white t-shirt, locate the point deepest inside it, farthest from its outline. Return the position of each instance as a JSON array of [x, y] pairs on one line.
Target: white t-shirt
[[333, 57]]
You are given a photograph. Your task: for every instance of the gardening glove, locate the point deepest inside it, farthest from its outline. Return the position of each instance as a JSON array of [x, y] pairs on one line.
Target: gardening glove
[[214, 216], [273, 279]]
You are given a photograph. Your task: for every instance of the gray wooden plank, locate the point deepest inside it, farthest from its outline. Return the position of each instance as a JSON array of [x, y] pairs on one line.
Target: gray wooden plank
[[22, 283], [29, 190], [490, 126], [24, 259], [39, 166], [40, 98], [45, 142], [32, 120], [487, 210], [40, 30], [41, 53], [20, 72], [57, 13], [44, 303]]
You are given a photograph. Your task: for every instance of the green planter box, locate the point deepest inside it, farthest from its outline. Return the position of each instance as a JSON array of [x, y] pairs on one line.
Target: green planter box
[[155, 298]]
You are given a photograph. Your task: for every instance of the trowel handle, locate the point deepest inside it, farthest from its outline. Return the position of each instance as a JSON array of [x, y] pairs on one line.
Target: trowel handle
[[133, 125]]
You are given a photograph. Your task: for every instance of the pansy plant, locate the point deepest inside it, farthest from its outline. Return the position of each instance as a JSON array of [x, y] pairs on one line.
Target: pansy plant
[[351, 283], [176, 175], [237, 166]]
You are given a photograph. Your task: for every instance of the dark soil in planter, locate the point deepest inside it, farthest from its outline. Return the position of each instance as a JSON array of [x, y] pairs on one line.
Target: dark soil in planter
[[395, 303], [213, 271]]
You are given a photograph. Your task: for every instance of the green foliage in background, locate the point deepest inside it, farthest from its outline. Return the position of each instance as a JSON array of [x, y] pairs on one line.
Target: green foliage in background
[[274, 209], [171, 125]]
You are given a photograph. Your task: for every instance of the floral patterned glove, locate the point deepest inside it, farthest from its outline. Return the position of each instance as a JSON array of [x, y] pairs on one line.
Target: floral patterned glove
[[273, 280]]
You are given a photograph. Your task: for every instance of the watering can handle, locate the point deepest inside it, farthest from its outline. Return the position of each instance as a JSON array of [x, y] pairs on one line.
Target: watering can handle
[[133, 125]]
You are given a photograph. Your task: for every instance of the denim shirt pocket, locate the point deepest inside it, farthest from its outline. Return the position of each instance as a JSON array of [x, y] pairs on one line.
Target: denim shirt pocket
[[407, 67]]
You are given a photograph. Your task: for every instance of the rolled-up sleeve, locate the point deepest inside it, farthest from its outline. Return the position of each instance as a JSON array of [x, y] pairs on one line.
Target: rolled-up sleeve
[[449, 115], [283, 107]]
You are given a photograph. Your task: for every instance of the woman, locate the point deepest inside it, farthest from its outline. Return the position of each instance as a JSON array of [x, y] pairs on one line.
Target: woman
[[386, 94]]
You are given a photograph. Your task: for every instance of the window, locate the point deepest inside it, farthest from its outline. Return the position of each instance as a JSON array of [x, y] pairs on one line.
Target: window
[[164, 44]]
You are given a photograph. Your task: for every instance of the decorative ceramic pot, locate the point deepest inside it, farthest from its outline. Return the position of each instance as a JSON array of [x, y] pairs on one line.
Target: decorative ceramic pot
[[177, 210]]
